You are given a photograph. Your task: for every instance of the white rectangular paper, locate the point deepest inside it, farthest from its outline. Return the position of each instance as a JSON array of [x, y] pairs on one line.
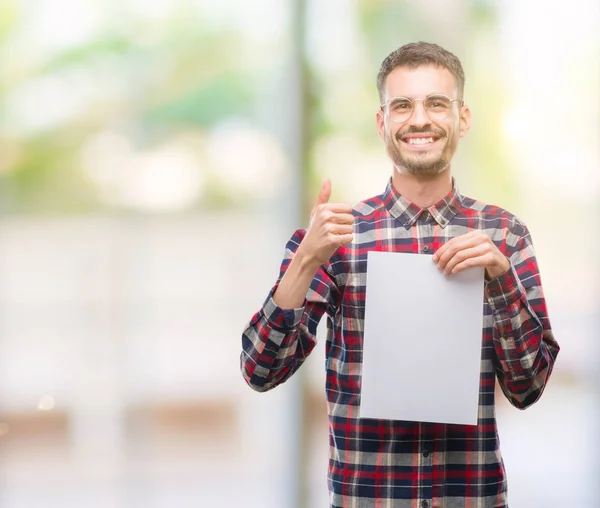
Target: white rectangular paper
[[422, 340]]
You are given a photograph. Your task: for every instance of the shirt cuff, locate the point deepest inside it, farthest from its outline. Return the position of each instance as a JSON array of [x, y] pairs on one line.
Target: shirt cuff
[[282, 319], [505, 290]]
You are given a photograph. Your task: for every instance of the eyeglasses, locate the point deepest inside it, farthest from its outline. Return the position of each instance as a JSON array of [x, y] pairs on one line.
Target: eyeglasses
[[437, 107]]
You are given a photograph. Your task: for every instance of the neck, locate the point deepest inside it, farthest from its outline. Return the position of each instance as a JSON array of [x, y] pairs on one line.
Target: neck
[[422, 191]]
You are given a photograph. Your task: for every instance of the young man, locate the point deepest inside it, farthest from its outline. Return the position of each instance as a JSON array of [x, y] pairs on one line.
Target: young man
[[399, 463]]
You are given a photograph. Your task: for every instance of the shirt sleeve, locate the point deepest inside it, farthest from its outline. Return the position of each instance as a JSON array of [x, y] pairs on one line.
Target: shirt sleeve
[[523, 340], [276, 341]]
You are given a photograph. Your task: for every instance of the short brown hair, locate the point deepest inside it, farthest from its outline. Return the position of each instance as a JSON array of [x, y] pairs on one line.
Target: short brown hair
[[416, 54]]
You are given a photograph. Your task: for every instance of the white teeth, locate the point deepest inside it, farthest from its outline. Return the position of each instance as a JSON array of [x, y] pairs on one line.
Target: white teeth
[[419, 141]]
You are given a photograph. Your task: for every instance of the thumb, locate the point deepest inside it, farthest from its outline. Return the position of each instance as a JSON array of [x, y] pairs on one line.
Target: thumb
[[325, 192]]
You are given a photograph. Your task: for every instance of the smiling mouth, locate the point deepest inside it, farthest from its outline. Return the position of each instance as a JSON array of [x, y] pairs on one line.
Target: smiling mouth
[[420, 138], [419, 141]]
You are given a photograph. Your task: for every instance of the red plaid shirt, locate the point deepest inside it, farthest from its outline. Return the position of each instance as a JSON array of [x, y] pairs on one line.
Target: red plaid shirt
[[391, 463]]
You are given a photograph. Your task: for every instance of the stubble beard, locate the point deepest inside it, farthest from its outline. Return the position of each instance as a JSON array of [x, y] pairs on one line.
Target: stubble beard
[[421, 165]]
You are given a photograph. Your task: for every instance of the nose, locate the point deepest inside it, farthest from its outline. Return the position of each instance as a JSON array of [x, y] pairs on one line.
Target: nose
[[419, 117]]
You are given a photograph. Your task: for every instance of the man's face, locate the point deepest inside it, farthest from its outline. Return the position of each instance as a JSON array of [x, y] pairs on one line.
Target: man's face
[[422, 144]]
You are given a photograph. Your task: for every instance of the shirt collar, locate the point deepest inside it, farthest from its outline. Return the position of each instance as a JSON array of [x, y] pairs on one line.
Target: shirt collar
[[407, 212]]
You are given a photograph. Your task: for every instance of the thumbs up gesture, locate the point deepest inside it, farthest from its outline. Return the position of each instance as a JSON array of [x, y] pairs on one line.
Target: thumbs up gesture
[[331, 226]]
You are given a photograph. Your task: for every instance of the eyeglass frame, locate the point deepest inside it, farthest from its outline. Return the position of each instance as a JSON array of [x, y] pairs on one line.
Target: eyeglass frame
[[384, 105]]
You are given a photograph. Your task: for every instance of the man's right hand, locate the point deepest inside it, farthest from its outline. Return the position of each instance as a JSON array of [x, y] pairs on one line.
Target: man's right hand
[[330, 227]]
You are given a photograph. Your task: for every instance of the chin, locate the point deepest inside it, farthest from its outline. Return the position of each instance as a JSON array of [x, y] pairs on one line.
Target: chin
[[427, 172], [424, 168], [425, 165]]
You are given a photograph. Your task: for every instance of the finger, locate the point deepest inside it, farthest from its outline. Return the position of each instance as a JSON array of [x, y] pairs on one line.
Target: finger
[[444, 249], [448, 250], [328, 212], [325, 192], [448, 245], [340, 229], [338, 207], [342, 218], [452, 242], [344, 239], [471, 262], [463, 255]]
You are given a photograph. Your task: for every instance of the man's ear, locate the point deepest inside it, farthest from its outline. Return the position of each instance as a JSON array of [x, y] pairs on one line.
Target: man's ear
[[380, 120], [465, 120]]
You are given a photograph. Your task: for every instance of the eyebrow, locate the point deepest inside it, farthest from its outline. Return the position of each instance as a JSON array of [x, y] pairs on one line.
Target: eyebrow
[[411, 97]]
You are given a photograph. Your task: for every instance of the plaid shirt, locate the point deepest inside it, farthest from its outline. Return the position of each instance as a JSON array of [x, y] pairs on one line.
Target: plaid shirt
[[387, 463]]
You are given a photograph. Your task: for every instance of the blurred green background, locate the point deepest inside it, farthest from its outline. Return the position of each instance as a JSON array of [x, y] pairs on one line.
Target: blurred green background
[[156, 156]]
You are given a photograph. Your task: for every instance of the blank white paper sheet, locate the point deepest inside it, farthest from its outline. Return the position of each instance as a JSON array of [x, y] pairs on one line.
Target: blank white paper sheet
[[422, 340]]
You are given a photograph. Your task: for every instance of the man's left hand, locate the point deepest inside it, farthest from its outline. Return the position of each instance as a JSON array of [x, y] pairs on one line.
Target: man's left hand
[[472, 249]]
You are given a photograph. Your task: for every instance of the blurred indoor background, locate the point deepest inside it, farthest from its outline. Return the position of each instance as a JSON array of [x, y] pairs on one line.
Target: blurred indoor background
[[155, 156]]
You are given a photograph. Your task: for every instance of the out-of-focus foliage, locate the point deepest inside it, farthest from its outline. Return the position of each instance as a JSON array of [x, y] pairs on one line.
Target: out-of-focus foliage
[[145, 81]]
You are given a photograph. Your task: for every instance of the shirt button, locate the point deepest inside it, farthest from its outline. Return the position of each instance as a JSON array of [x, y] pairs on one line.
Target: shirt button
[[425, 248], [424, 504], [426, 453]]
